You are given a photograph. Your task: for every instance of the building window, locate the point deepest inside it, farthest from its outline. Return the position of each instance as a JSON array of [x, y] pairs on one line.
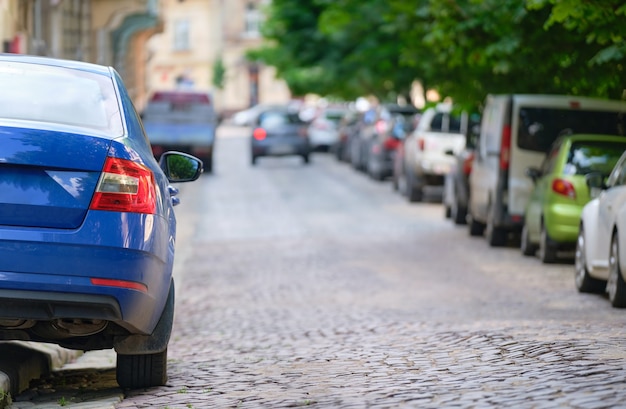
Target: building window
[[253, 21], [181, 35]]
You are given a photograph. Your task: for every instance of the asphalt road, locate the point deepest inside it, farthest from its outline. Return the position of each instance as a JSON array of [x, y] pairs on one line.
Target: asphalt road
[[312, 285]]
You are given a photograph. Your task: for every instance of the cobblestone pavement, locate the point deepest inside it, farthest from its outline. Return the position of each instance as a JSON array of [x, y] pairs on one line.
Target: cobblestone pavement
[[311, 285]]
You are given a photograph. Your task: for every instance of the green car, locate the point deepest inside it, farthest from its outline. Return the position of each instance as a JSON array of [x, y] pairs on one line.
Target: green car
[[552, 216]]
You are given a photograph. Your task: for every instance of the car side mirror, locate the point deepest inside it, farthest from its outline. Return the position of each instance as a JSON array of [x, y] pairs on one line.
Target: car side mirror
[[180, 167], [533, 173]]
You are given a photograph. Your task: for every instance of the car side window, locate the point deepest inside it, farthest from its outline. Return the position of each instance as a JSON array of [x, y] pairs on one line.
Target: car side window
[[550, 160], [618, 176]]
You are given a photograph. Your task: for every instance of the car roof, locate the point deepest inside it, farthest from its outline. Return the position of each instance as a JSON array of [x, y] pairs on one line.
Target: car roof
[[57, 62]]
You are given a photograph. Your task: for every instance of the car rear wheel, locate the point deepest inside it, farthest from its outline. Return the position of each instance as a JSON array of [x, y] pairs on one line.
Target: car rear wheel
[[142, 371], [305, 158], [547, 249], [527, 248], [458, 212], [413, 191], [496, 236], [476, 228], [208, 164], [615, 286], [584, 282]]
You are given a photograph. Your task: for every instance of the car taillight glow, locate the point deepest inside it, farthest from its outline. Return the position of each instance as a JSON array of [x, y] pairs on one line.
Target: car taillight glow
[[132, 285], [125, 186], [505, 149], [259, 134], [564, 187], [391, 144], [467, 164], [421, 144], [381, 126]]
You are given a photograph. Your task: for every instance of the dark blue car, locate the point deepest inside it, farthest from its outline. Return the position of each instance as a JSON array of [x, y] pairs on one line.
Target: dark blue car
[[87, 228]]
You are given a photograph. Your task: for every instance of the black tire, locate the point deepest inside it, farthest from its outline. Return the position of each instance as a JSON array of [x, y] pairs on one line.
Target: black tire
[[141, 371], [447, 212], [496, 236], [208, 164], [413, 192], [459, 214], [476, 228], [584, 282], [615, 286], [547, 249], [306, 159], [527, 248], [253, 160]]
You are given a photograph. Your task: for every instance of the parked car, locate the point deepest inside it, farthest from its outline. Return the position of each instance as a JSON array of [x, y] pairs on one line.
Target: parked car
[[428, 152], [323, 128], [389, 134], [279, 132], [347, 129], [375, 124], [516, 133], [552, 215], [184, 121], [600, 260], [86, 216]]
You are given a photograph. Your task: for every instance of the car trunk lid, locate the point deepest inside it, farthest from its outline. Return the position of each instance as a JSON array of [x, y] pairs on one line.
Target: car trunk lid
[[48, 177]]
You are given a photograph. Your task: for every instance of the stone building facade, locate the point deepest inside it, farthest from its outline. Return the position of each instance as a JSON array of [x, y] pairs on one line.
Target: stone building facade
[[201, 37]]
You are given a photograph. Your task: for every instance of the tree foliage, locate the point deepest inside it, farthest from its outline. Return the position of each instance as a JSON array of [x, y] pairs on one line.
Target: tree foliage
[[462, 48]]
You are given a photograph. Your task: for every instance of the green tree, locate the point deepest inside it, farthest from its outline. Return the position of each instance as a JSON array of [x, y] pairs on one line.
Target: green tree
[[219, 73], [462, 48]]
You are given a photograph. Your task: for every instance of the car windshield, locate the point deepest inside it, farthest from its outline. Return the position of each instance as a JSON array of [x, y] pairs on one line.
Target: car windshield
[[271, 119], [539, 127], [596, 156], [55, 95]]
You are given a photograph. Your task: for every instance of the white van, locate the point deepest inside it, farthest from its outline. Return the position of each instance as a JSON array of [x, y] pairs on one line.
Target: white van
[[516, 133]]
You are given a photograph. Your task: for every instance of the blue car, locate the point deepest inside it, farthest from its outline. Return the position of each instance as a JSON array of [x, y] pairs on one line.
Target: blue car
[[87, 228]]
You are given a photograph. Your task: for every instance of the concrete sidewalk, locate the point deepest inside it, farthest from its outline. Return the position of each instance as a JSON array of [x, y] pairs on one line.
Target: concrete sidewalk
[[22, 361]]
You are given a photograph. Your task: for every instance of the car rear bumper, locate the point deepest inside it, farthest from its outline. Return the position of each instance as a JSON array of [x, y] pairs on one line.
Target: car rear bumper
[[562, 222], [281, 148], [120, 275]]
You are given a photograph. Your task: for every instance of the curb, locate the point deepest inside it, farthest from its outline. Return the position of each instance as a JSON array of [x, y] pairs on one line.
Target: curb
[[22, 361]]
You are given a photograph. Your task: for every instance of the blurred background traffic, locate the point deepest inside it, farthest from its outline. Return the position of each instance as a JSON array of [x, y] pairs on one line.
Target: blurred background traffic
[[469, 103]]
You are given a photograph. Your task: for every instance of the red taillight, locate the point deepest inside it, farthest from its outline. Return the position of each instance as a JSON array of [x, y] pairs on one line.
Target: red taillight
[[421, 144], [381, 126], [259, 134], [391, 144], [125, 186], [564, 187], [467, 164], [132, 285], [505, 149]]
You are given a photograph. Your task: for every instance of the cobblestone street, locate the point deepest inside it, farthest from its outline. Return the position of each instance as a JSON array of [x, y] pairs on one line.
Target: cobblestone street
[[312, 285]]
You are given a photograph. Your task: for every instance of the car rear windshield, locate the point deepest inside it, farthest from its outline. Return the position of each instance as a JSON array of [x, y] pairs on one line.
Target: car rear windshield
[[171, 107], [444, 122], [539, 127], [56, 95], [593, 156], [270, 119]]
